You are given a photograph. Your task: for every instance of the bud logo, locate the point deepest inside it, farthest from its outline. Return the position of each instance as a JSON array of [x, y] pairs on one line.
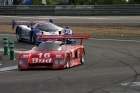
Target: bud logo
[[38, 60]]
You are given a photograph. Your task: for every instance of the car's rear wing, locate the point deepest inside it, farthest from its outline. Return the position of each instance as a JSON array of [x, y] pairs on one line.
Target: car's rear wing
[[14, 23], [63, 37]]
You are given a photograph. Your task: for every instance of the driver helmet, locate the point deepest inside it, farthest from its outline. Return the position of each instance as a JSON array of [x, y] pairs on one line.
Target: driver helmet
[[51, 20], [67, 27]]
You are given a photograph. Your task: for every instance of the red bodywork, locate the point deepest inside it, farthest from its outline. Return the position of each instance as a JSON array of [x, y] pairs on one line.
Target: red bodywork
[[54, 59]]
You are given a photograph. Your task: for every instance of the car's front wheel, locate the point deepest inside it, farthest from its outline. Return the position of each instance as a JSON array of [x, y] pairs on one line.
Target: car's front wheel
[[18, 36], [83, 57], [67, 61]]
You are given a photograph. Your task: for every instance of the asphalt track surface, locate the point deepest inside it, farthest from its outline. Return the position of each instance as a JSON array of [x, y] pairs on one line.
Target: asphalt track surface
[[111, 66]]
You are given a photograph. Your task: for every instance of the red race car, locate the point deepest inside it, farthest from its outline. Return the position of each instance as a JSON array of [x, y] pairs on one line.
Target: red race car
[[53, 54]]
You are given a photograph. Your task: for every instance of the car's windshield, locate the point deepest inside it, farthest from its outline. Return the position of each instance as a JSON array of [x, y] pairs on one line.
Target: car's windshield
[[47, 27], [47, 46]]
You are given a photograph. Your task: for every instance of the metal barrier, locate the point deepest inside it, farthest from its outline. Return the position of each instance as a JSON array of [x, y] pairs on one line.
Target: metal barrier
[[27, 10], [74, 10], [117, 10], [71, 10]]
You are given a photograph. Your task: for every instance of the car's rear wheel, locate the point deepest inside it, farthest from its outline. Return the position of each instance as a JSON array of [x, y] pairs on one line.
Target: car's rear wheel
[[83, 57], [67, 61]]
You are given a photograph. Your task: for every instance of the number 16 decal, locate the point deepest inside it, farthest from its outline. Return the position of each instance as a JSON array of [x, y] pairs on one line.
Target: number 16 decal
[[45, 55]]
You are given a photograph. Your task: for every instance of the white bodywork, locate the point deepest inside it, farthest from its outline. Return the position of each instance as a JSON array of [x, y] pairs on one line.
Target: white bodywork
[[60, 30]]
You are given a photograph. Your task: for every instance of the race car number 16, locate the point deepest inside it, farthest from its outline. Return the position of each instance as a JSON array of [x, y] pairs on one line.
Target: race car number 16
[[45, 55]]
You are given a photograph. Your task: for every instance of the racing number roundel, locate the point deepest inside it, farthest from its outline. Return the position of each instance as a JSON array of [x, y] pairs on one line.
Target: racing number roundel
[[45, 55]]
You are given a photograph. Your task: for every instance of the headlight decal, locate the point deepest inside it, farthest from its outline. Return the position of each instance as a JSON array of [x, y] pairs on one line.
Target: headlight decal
[[58, 62], [23, 62], [61, 62]]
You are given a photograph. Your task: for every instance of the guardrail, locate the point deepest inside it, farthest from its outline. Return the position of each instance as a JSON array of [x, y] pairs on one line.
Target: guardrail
[[117, 9], [27, 10], [74, 10], [71, 10]]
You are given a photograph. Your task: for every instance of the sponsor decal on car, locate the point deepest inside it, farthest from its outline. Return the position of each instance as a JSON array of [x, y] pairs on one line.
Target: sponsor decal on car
[[59, 56], [45, 55], [25, 56], [40, 60]]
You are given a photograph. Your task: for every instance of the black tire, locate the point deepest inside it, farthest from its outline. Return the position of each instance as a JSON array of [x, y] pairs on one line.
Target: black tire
[[82, 57], [32, 38], [18, 36], [67, 61]]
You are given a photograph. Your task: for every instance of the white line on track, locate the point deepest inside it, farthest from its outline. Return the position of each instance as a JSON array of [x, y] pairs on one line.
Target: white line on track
[[8, 68], [54, 17], [28, 17], [120, 40], [131, 84], [7, 35]]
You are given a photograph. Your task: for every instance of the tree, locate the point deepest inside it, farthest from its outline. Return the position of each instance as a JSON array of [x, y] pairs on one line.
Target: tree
[[50, 2], [36, 2], [134, 1]]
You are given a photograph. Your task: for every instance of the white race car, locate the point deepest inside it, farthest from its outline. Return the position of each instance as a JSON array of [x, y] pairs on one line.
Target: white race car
[[30, 34]]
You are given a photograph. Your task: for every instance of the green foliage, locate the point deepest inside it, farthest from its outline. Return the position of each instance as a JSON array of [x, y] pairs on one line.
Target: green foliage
[[134, 1], [88, 2], [50, 2], [82, 2], [102, 2], [36, 2]]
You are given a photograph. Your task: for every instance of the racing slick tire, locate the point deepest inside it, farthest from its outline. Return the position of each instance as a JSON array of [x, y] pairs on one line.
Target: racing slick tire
[[67, 61], [18, 36], [32, 38], [82, 57]]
